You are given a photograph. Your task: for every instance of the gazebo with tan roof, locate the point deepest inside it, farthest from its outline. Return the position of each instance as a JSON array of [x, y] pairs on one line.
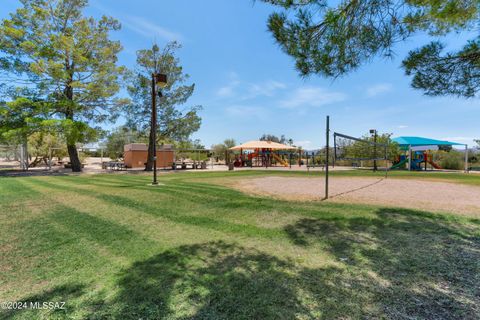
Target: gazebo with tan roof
[[254, 145], [263, 151]]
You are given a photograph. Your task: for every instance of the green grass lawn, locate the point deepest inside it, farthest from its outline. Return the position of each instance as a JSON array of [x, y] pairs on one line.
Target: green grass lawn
[[111, 246]]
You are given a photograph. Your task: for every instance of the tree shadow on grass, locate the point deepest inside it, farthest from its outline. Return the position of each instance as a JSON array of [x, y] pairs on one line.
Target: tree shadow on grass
[[425, 265], [211, 280], [218, 280]]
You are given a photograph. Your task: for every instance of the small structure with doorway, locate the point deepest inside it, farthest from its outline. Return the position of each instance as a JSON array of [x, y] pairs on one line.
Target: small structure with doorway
[[135, 155]]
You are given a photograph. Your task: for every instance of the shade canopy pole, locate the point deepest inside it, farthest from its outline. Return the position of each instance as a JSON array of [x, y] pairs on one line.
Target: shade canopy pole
[[410, 158]]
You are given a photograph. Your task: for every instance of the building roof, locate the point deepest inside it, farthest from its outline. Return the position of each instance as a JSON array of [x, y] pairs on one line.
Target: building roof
[[135, 147], [420, 141], [144, 147], [252, 145]]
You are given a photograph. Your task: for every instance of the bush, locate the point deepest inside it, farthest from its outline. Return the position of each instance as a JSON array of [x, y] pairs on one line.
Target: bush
[[452, 160], [82, 156], [474, 158]]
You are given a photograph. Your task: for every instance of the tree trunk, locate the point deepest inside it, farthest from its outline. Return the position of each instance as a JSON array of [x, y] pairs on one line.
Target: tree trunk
[[74, 159], [71, 147], [149, 163], [25, 154]]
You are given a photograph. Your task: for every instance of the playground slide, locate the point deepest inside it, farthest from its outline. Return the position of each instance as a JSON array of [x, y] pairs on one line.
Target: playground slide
[[283, 162], [401, 164], [433, 164]]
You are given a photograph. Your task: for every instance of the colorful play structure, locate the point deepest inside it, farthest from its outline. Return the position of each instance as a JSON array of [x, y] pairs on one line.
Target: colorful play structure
[[419, 161], [262, 154], [416, 154]]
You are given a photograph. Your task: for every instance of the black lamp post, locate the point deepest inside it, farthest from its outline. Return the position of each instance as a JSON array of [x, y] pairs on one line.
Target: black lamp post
[[374, 132], [159, 80]]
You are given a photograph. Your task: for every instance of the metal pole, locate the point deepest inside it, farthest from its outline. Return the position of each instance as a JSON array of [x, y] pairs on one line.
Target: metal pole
[[327, 156], [410, 158], [154, 131], [375, 150], [174, 159], [466, 158]]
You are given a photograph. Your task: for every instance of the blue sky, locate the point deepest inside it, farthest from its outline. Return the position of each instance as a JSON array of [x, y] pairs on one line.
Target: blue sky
[[248, 86]]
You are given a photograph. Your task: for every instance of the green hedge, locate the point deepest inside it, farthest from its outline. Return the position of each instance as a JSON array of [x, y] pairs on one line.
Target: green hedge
[[452, 160]]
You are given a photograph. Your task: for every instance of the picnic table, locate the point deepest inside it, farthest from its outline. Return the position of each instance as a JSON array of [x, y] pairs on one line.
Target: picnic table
[[192, 164]]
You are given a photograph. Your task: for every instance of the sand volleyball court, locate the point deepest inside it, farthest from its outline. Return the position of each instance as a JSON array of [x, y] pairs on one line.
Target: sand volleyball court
[[406, 193]]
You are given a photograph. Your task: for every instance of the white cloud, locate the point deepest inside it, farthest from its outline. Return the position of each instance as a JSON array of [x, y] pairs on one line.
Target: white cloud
[[229, 89], [149, 29], [402, 126], [245, 91], [140, 25], [267, 88], [225, 91], [378, 89], [312, 97], [245, 111]]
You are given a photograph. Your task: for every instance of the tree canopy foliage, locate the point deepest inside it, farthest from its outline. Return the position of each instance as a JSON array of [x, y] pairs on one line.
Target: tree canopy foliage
[[21, 117], [271, 137], [175, 124], [219, 150], [368, 147], [118, 138], [334, 38], [70, 61]]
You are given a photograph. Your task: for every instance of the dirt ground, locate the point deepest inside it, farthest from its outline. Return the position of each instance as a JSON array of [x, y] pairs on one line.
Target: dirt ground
[[12, 168], [413, 194]]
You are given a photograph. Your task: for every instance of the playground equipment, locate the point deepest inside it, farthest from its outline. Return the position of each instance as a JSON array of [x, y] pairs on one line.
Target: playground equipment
[[419, 158], [263, 154], [416, 152], [280, 160]]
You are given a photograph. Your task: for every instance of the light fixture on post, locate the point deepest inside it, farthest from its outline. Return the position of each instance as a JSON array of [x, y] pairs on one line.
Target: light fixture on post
[[160, 80]]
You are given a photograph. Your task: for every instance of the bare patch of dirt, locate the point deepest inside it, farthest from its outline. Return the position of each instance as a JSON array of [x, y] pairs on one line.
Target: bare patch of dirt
[[413, 194]]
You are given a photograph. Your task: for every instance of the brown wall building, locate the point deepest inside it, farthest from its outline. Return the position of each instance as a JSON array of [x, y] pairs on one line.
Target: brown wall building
[[135, 155]]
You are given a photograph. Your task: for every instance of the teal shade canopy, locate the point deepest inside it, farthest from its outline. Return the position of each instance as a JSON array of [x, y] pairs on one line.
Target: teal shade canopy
[[420, 141]]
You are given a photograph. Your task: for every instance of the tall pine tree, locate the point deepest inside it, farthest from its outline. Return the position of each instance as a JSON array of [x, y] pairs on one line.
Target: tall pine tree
[[69, 58], [174, 124]]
